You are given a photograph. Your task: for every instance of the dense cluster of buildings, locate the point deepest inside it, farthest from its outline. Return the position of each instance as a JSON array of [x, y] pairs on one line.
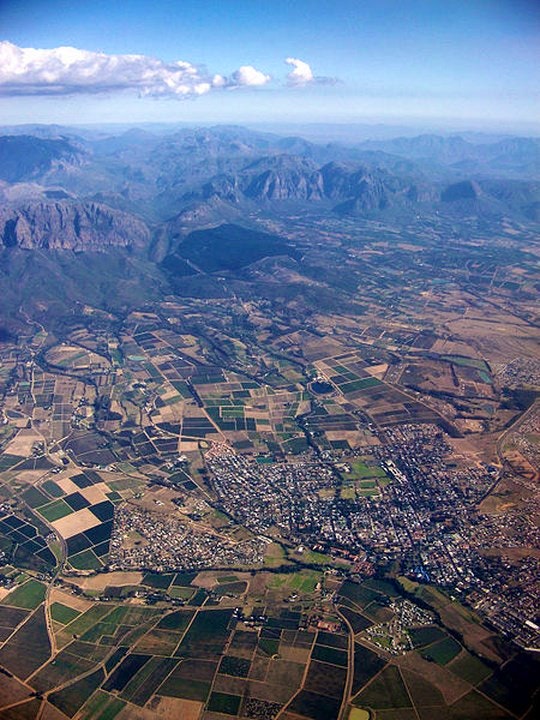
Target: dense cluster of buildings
[[427, 517], [444, 538], [519, 372], [142, 539], [296, 499]]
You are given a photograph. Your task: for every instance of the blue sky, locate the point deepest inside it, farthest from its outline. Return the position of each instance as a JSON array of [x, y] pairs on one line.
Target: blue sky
[[467, 61]]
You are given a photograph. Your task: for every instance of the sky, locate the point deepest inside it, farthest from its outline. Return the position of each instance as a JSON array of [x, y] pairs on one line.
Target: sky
[[465, 63]]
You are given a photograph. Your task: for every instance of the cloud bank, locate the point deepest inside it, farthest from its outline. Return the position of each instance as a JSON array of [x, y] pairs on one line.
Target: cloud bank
[[68, 71], [71, 71]]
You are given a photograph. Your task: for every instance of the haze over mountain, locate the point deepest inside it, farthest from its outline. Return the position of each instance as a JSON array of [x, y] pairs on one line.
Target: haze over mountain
[[126, 207], [75, 192]]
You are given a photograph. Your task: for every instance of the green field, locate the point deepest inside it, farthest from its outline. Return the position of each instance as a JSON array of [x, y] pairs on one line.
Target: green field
[[85, 560], [361, 471], [361, 595], [63, 669], [366, 665], [158, 581], [386, 691], [34, 497], [141, 687], [88, 619], [478, 706], [8, 461], [383, 586], [175, 686], [223, 703], [53, 489], [442, 652], [426, 635], [29, 595], [466, 362], [206, 635], [227, 579], [357, 621], [55, 510], [103, 706], [71, 699], [315, 706], [303, 581], [330, 655], [185, 593], [62, 613], [360, 384], [178, 620], [236, 666], [423, 692], [269, 646], [469, 668]]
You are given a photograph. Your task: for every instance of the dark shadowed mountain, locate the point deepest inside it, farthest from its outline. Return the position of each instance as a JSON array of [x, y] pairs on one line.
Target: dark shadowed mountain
[[227, 247], [465, 190]]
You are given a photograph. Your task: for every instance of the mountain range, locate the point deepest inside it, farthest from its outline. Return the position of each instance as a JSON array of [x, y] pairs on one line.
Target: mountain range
[[65, 189], [118, 219], [90, 191]]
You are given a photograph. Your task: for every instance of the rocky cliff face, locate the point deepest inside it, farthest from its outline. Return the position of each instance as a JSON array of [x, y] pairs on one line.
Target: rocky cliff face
[[286, 177], [70, 226], [282, 178]]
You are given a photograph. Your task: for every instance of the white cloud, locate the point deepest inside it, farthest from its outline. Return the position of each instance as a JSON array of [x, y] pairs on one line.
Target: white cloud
[[301, 74], [68, 70], [248, 76]]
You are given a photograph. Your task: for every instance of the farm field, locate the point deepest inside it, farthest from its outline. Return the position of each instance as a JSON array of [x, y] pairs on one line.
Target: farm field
[[112, 658], [296, 481]]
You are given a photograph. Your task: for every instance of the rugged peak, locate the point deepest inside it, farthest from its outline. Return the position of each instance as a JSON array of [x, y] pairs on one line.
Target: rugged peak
[[70, 226]]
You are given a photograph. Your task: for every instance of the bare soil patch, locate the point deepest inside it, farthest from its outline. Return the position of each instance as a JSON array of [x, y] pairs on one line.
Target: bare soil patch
[[95, 493], [49, 712], [102, 580], [175, 708], [75, 523], [23, 442], [11, 691], [30, 476], [67, 485], [66, 598]]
